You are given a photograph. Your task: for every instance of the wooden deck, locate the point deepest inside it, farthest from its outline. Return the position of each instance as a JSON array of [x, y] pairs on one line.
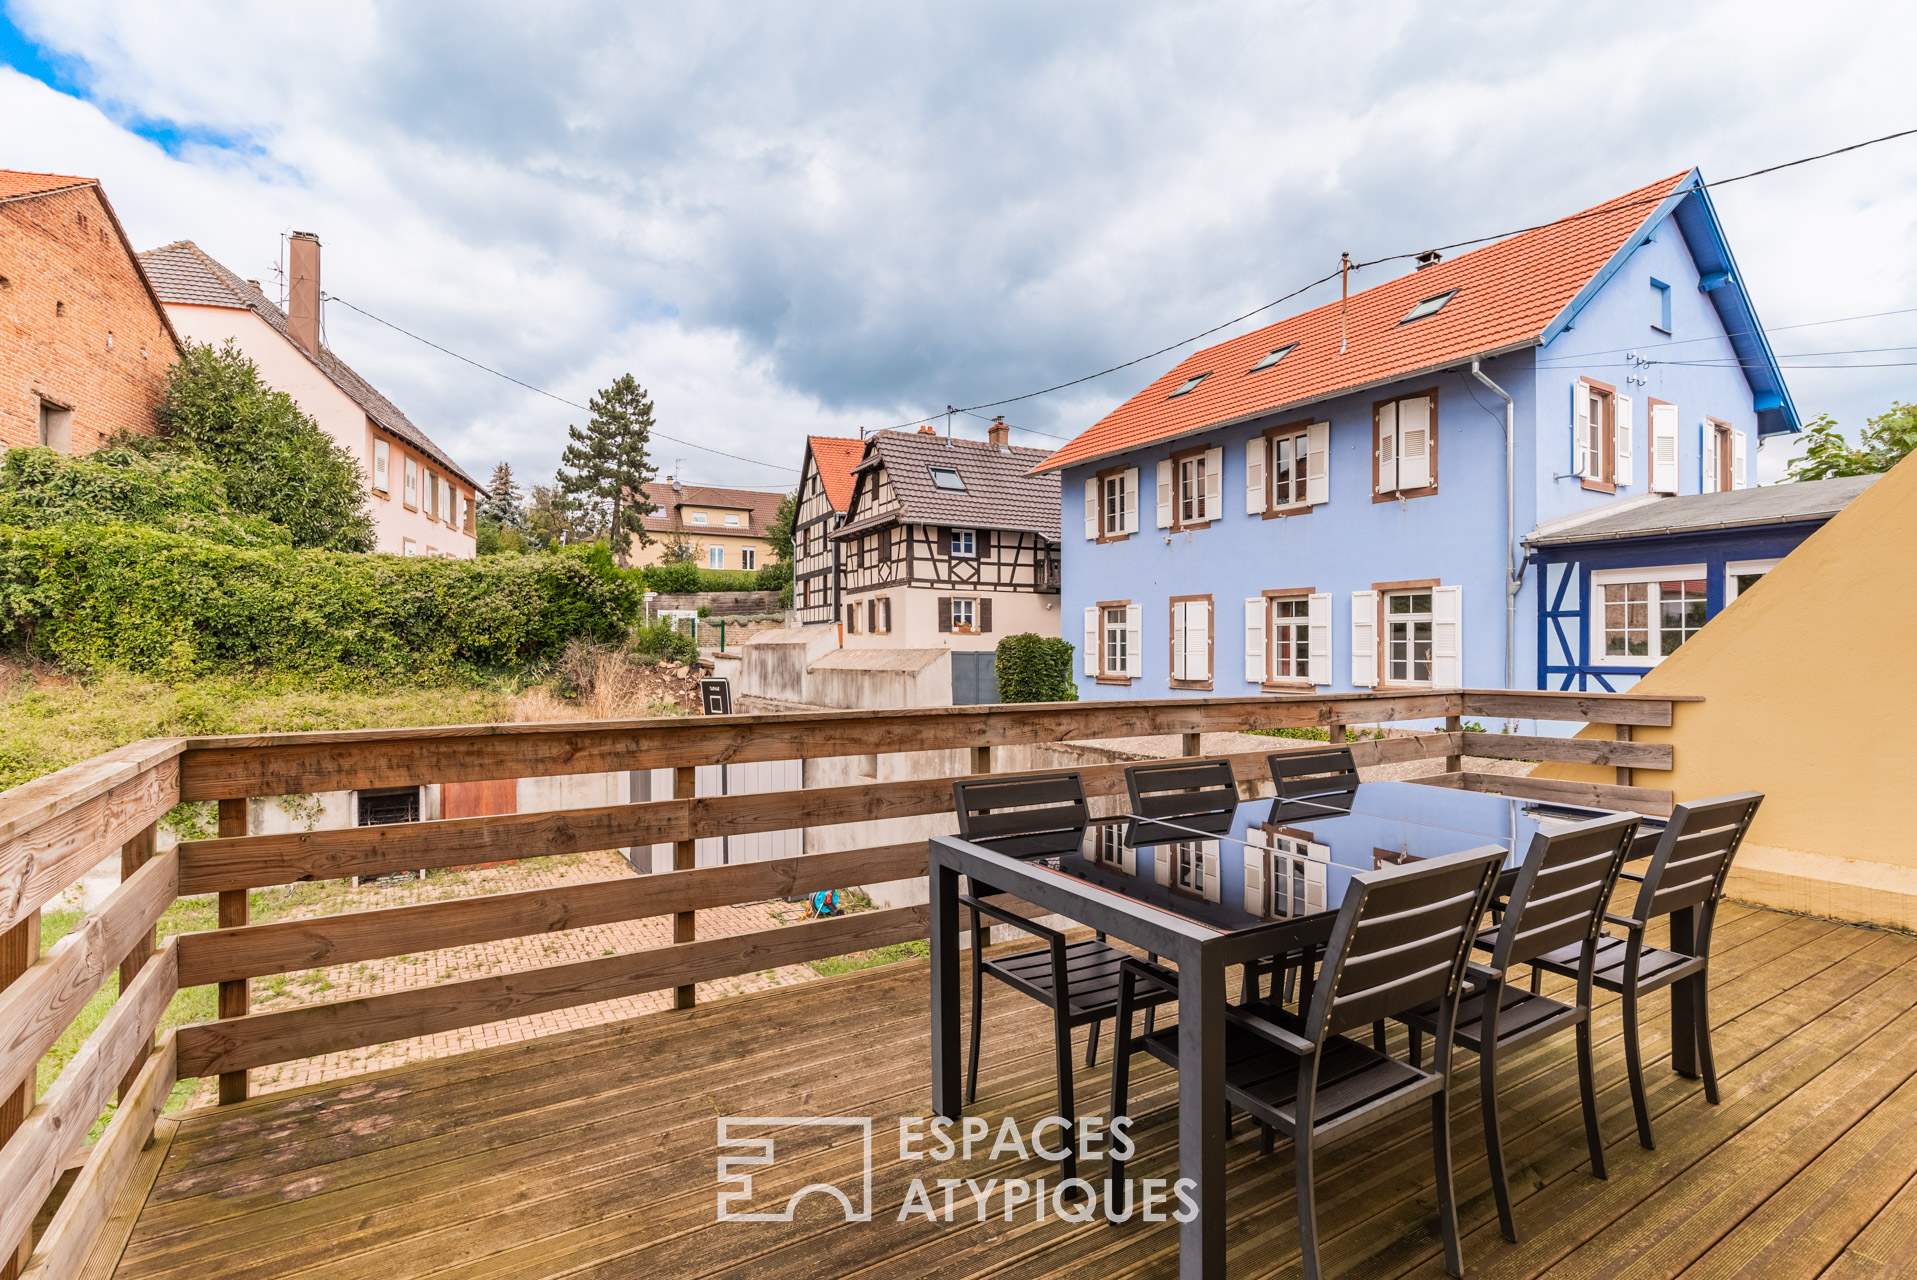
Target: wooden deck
[[593, 1153]]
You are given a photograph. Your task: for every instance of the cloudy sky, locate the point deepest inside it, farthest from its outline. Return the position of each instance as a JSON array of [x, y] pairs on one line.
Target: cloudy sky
[[809, 218]]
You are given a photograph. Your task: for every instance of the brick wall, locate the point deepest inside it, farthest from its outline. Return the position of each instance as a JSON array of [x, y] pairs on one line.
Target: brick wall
[[70, 283]]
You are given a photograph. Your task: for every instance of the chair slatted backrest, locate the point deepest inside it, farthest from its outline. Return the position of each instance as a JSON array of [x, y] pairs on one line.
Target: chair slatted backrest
[[1313, 783], [1192, 795], [1563, 888], [1401, 939], [1024, 817], [1695, 854]]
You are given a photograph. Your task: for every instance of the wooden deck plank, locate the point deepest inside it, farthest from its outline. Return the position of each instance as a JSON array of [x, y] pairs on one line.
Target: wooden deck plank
[[1886, 1246]]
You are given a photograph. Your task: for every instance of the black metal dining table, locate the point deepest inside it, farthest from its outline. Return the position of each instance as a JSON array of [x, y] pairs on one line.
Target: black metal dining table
[[1269, 886]]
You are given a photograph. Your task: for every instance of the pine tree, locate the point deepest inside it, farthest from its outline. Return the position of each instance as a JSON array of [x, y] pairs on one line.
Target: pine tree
[[503, 505], [605, 470]]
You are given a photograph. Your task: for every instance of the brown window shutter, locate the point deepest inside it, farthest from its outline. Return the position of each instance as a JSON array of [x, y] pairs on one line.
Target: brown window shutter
[[984, 615], [945, 613]]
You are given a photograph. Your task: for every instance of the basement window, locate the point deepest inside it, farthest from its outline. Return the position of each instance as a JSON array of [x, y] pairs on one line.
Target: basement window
[[1273, 357], [1429, 307], [1188, 385], [947, 479]]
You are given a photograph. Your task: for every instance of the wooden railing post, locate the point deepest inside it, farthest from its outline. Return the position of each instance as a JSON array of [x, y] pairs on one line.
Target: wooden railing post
[[684, 784], [1454, 763], [134, 854], [1625, 773], [19, 948], [233, 913], [1192, 744], [1336, 733]]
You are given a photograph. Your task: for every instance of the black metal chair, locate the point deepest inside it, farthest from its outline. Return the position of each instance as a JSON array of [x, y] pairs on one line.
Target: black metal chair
[[1191, 799], [1687, 871], [1401, 940], [1557, 902], [1312, 783], [1038, 816]]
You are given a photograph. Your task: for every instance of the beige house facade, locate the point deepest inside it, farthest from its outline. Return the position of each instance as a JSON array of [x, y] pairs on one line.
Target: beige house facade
[[422, 502], [726, 528]]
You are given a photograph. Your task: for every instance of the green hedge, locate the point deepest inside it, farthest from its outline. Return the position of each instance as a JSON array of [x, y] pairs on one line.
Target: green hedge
[[1032, 668], [180, 493], [154, 601], [685, 577]]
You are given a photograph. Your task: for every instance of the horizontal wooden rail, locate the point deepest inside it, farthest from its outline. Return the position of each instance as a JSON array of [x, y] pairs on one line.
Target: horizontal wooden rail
[[245, 862], [1601, 751], [261, 1039], [248, 952], [40, 860], [1598, 795], [282, 764], [62, 1250], [37, 1008], [31, 1161]]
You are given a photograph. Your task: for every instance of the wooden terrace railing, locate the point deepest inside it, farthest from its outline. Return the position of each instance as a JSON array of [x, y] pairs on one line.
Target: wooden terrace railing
[[55, 828]]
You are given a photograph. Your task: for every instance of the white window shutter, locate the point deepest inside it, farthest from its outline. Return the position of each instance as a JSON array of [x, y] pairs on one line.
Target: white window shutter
[[1093, 519], [1388, 448], [1134, 634], [1415, 428], [1664, 448], [1319, 618], [1255, 639], [1255, 475], [1737, 460], [1581, 430], [1179, 655], [1254, 872], [1198, 640], [1165, 494], [1318, 460], [1626, 427], [1214, 483], [1209, 862], [1447, 637], [1707, 459], [1127, 859], [1315, 883], [1129, 524], [1092, 641], [1162, 856], [1364, 639], [381, 477]]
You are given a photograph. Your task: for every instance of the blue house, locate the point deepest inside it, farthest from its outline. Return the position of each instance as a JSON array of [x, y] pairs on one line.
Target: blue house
[[1339, 501]]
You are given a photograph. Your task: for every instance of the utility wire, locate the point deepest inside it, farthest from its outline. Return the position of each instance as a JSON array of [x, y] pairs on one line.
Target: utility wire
[[1570, 360], [659, 435]]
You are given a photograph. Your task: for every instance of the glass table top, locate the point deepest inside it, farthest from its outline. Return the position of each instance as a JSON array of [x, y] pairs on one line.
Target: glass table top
[[1272, 866]]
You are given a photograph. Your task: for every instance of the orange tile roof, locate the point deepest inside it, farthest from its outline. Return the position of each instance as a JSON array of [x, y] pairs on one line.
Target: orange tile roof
[[15, 184], [1508, 293], [836, 457]]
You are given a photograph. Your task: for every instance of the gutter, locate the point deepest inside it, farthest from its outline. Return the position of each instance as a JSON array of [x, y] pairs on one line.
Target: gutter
[[1514, 572]]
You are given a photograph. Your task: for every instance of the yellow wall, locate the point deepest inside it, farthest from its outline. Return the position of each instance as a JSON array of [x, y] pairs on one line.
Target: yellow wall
[[1809, 682]]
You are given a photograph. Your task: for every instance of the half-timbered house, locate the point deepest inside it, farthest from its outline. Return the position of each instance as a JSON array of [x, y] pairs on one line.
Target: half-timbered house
[[825, 495], [948, 543]]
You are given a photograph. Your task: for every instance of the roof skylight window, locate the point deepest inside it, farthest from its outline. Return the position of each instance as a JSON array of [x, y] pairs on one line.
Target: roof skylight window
[[947, 479], [1189, 384], [1273, 357], [1429, 307]]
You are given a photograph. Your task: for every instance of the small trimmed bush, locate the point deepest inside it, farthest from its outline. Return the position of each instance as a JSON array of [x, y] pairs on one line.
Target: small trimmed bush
[[1034, 668], [664, 642]]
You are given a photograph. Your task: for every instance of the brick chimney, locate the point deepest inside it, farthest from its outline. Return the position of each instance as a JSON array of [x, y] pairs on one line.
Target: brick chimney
[[303, 291], [999, 434]]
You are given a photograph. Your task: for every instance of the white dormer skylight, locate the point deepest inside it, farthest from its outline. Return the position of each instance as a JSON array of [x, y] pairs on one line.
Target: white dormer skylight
[[947, 479], [1429, 307], [1188, 384], [1273, 356]]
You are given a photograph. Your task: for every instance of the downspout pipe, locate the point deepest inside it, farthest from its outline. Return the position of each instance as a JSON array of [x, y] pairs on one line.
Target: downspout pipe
[[1514, 569]]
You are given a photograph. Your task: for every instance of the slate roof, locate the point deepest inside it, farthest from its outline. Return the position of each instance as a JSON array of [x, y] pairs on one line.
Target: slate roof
[[1703, 512], [760, 507], [836, 456], [1508, 294], [186, 275], [1001, 492]]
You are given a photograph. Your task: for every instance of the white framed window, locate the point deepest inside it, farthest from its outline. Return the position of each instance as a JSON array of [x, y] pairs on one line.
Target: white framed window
[[1112, 636], [964, 544], [732, 519], [1602, 429], [1288, 469], [1189, 867], [964, 614], [748, 558], [1288, 638], [1291, 639], [715, 557], [1106, 847], [1111, 505], [1191, 639], [1645, 615], [1192, 491], [1722, 463], [1741, 575], [1408, 637], [1405, 445], [407, 547], [698, 517], [382, 477], [882, 615], [1284, 876]]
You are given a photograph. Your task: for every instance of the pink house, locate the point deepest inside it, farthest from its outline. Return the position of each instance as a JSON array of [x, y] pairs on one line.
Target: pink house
[[422, 501]]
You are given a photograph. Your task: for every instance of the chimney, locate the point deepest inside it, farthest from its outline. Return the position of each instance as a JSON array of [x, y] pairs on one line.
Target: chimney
[[303, 295], [927, 429], [999, 434], [1429, 258]]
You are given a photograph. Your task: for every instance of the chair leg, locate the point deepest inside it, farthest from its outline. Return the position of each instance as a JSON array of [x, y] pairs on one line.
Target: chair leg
[[1701, 1004], [1307, 1202], [1091, 1046], [1378, 1035], [1634, 1066], [1414, 1039], [1493, 1139], [1537, 980], [978, 1012], [1587, 1090], [1062, 1037], [1447, 1194]]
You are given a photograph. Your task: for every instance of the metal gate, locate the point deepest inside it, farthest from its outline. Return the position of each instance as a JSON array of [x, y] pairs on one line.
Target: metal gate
[[974, 678]]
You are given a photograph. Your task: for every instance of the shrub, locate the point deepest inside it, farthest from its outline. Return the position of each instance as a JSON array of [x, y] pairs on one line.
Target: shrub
[[776, 576], [680, 577], [176, 491], [728, 579], [1033, 668], [662, 641]]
